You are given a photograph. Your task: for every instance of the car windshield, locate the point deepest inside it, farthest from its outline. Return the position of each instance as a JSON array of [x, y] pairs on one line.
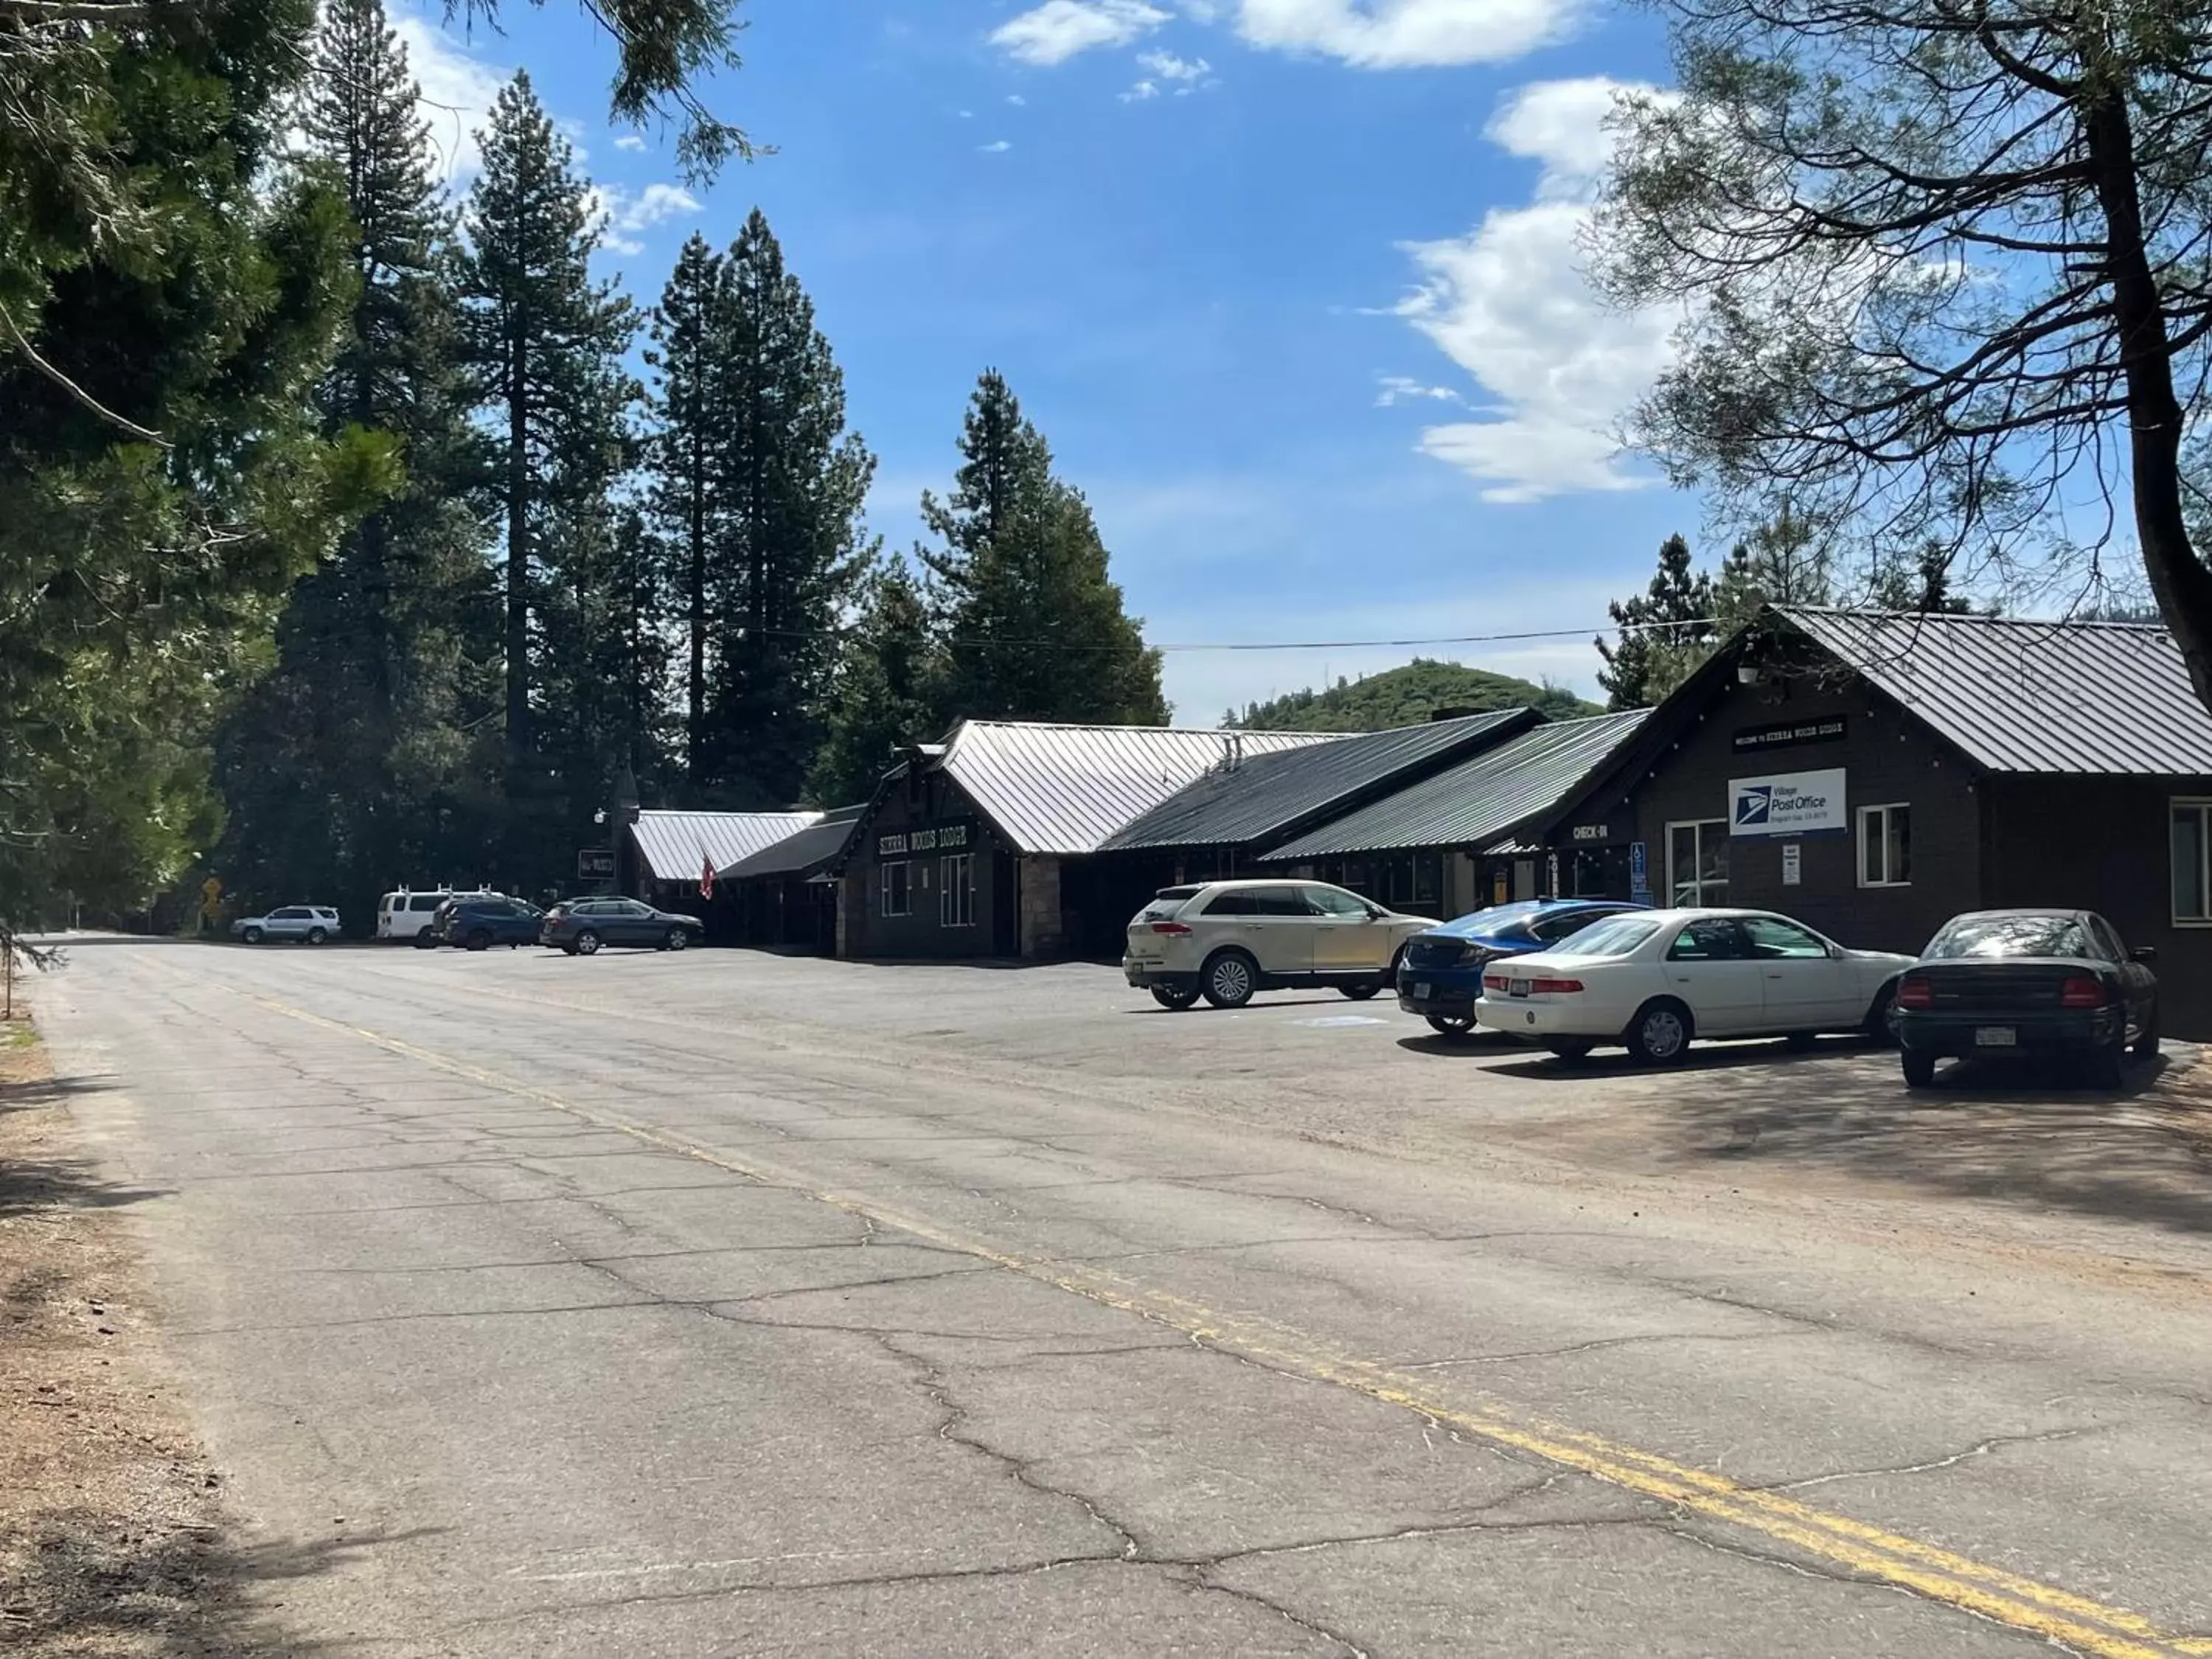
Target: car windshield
[[1166, 903], [2010, 936], [1616, 936]]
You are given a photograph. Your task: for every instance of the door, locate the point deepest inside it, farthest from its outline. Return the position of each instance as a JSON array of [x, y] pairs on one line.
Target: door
[[1346, 937], [1710, 968], [1280, 931], [290, 923], [1808, 988], [626, 921]]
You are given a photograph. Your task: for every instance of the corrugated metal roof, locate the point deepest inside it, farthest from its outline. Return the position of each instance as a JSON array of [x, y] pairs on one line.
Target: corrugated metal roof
[[1269, 793], [1481, 799], [675, 846], [802, 853], [2031, 697], [1064, 789]]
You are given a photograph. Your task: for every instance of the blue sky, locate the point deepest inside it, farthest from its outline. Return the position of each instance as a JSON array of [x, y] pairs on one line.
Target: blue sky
[[1290, 285]]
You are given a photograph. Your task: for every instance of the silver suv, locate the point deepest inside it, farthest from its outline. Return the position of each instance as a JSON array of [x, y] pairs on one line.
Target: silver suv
[[1224, 940], [313, 923]]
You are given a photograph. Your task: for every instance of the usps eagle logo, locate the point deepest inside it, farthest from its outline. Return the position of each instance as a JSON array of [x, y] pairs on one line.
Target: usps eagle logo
[[1752, 805]]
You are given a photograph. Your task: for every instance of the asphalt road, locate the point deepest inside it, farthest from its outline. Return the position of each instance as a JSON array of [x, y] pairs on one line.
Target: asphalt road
[[716, 1304]]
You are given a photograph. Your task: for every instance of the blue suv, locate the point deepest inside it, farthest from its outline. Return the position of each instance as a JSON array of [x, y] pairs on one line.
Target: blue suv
[[1440, 973]]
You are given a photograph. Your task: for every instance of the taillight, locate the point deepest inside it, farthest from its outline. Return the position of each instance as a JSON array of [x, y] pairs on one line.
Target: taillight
[[1493, 981], [2080, 991], [1914, 992], [1556, 987], [1172, 929]]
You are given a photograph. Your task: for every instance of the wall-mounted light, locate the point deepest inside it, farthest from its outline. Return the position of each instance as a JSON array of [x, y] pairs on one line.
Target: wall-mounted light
[[1747, 674]]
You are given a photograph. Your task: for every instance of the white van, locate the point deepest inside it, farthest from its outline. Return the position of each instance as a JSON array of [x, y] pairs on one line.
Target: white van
[[407, 915]]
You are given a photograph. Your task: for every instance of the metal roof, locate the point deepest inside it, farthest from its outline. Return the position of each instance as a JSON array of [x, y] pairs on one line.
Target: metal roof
[[677, 846], [1269, 794], [2030, 696], [802, 853], [1481, 799], [1064, 789]]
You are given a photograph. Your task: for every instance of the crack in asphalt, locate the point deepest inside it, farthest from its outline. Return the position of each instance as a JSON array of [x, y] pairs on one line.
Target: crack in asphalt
[[1980, 1449], [1603, 1342]]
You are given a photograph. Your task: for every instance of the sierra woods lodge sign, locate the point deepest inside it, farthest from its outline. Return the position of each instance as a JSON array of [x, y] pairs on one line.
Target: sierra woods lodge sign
[[936, 838], [1784, 734]]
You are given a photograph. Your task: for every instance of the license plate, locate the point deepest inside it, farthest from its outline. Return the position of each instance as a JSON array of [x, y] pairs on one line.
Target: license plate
[[1421, 989], [1996, 1036], [1517, 988]]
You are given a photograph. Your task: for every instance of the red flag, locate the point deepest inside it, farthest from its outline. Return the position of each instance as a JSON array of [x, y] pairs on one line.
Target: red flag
[[706, 878]]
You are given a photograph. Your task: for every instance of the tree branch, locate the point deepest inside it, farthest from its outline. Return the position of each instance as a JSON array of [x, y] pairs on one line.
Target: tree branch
[[77, 392]]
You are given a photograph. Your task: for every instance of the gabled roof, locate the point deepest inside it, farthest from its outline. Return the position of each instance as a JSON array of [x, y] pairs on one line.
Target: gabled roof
[[802, 853], [2029, 696], [1270, 795], [677, 846], [1482, 800], [1064, 789]]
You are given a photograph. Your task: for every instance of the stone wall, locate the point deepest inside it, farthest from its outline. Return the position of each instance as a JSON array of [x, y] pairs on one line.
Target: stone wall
[[1044, 931]]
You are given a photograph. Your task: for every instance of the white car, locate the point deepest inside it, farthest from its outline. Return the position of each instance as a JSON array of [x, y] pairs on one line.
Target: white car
[[313, 923], [1224, 940], [409, 913], [1653, 980]]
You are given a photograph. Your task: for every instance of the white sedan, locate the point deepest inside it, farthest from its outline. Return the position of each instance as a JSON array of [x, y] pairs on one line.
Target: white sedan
[[1653, 980]]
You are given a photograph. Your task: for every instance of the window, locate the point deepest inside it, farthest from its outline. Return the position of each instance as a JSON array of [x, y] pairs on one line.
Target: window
[[899, 900], [1236, 901], [2192, 847], [1711, 940], [1550, 929], [1697, 862], [2010, 933], [426, 900], [1336, 901], [1617, 936], [955, 893], [1772, 938], [1885, 846], [1280, 901], [2108, 942]]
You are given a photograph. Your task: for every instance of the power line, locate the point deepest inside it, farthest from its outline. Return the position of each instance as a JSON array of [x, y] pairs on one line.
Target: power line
[[1291, 645]]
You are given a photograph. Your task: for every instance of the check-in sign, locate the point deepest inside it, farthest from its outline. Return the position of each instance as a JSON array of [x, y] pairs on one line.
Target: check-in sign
[[1788, 804]]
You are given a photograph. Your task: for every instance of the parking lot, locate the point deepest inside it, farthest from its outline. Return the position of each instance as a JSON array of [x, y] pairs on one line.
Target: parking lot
[[725, 1302]]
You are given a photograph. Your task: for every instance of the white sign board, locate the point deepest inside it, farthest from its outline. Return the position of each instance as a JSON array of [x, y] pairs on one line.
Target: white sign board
[[1788, 804], [1793, 865]]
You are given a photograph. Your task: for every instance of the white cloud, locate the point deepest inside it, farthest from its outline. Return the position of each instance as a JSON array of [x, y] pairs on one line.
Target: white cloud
[[1057, 30], [1403, 388], [1169, 67], [1403, 33], [1137, 94], [996, 147], [966, 114], [1016, 100], [630, 141], [457, 91], [1510, 304], [620, 216]]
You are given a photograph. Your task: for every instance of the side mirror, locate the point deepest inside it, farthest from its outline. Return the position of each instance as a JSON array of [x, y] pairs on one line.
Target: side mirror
[[2145, 953], [1836, 953]]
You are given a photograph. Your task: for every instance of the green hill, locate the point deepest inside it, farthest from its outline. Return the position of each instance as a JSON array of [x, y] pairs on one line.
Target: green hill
[[1405, 696]]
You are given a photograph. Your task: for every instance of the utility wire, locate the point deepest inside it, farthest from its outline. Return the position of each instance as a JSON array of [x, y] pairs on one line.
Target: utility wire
[[1292, 645]]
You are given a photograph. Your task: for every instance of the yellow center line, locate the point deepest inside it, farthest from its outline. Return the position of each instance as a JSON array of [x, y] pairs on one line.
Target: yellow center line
[[1857, 1547]]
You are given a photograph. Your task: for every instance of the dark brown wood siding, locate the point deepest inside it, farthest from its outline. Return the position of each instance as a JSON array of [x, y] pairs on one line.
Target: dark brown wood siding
[[932, 801]]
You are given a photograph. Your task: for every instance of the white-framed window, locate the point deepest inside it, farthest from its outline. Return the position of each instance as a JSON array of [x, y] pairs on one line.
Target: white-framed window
[[956, 897], [2191, 842], [898, 895], [1697, 863], [1885, 845]]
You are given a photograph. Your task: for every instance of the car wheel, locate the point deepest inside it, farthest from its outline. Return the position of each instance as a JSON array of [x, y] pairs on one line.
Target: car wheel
[[1451, 1025], [568, 950], [2106, 1068], [1571, 1049], [1919, 1068], [1360, 992], [587, 943], [2146, 1042], [480, 940], [316, 936], [1229, 979], [1660, 1033], [1174, 997], [426, 940], [679, 938], [1877, 1026], [252, 936]]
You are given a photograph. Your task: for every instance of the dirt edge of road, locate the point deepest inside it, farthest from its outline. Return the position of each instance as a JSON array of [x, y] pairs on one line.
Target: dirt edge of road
[[113, 1538]]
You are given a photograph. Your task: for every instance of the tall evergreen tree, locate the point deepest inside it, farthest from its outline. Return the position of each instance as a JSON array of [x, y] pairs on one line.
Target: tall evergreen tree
[[887, 689], [1034, 623], [1658, 626], [353, 764], [546, 342]]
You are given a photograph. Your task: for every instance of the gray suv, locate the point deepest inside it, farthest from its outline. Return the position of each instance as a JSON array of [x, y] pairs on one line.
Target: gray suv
[[309, 923]]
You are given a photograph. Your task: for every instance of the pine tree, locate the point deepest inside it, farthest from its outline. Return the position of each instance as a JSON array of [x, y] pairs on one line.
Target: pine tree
[[545, 341], [352, 765], [1034, 624], [886, 691], [1659, 628]]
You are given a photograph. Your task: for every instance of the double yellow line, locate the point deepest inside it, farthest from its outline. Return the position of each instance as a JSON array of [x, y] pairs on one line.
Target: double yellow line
[[1836, 1542]]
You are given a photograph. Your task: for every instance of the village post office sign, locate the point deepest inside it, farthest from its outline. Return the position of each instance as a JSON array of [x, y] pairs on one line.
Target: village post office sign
[[931, 838], [1788, 804]]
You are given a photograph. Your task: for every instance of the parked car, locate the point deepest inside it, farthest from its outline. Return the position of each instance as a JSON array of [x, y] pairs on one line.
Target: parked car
[[580, 927], [2032, 984], [1225, 940], [476, 921], [406, 914], [1440, 975], [310, 923], [1653, 981]]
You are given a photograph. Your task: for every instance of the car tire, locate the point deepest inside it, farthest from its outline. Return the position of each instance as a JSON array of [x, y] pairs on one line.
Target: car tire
[[1876, 1024], [1452, 1025], [586, 944], [1919, 1068], [679, 939], [2145, 1045], [2106, 1068], [252, 936], [1571, 1049], [1175, 997], [1660, 1032], [1229, 979], [480, 940], [1360, 993], [568, 950], [316, 936], [426, 940]]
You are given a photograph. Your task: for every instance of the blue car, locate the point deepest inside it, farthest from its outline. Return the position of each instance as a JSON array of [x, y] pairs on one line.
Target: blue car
[[1440, 972]]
